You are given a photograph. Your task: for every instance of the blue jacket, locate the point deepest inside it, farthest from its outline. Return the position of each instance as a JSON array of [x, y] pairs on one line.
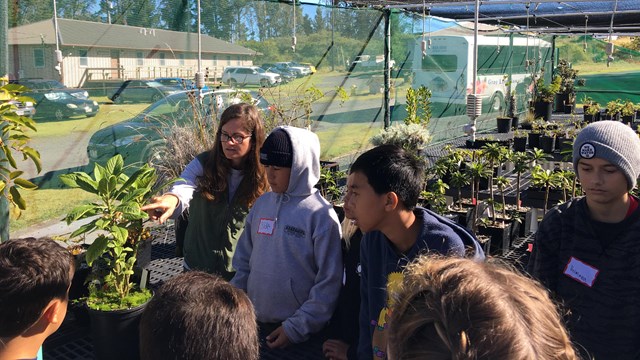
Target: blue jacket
[[382, 268]]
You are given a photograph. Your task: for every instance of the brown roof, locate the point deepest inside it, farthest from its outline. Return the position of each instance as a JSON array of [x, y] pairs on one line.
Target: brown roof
[[94, 34]]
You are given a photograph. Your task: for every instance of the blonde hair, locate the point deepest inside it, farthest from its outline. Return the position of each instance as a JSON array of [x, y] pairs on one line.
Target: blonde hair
[[453, 308]]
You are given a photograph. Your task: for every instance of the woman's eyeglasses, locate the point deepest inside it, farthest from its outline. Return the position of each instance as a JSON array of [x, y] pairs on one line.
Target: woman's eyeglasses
[[237, 138]]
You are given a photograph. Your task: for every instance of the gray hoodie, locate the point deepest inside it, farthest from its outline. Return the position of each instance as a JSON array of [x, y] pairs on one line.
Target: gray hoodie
[[292, 271]]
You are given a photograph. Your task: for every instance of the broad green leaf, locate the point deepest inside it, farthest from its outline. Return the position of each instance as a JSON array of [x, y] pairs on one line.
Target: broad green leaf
[[120, 234], [103, 186], [97, 248], [114, 165], [17, 199], [15, 174], [98, 172], [81, 212], [86, 183], [70, 180], [34, 155], [25, 184], [83, 229], [9, 155]]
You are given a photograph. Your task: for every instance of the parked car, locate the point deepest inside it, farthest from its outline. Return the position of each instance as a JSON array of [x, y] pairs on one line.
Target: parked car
[[285, 75], [49, 85], [300, 71], [249, 75], [312, 69], [185, 84], [142, 138], [142, 91], [20, 108], [62, 105]]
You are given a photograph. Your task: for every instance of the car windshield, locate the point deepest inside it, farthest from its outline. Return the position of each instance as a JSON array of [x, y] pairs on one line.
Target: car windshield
[[153, 83], [260, 70], [53, 84]]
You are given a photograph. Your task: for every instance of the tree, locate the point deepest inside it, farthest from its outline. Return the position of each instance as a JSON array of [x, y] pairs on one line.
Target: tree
[[75, 9], [29, 11], [132, 12], [319, 21], [177, 15]]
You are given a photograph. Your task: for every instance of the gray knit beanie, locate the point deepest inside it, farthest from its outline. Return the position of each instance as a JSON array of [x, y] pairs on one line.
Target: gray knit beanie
[[612, 141]]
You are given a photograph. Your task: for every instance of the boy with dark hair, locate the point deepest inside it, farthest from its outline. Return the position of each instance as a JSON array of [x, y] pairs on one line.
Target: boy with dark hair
[[382, 192], [35, 276], [288, 258], [587, 250], [196, 316]]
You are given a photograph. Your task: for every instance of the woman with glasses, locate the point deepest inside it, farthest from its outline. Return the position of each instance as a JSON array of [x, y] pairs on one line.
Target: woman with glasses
[[217, 189]]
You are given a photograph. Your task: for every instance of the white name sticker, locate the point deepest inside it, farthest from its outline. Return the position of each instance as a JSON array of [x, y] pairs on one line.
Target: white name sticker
[[266, 226], [581, 272]]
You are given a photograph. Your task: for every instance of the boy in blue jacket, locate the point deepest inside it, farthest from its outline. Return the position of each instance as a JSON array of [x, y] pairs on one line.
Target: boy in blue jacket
[[288, 258], [382, 192]]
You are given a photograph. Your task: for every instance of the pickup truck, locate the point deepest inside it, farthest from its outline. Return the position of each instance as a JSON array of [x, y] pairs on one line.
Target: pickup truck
[[367, 62]]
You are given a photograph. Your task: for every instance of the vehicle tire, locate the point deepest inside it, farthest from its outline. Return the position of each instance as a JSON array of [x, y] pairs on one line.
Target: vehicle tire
[[496, 102], [233, 83], [264, 82], [155, 97], [59, 114]]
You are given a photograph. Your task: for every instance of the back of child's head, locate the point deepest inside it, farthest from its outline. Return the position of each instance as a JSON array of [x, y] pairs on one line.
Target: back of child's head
[[196, 315], [612, 141], [453, 308], [389, 168], [33, 272]]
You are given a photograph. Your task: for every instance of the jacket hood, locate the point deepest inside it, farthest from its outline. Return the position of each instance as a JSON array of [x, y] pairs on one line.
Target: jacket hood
[[305, 167]]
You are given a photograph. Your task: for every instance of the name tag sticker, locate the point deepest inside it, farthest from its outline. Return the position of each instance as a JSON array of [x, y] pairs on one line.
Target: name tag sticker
[[266, 226], [581, 272]]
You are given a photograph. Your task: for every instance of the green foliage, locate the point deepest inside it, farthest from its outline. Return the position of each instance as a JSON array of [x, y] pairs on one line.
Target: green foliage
[[435, 196], [411, 137], [568, 76], [118, 218], [613, 107], [548, 92], [328, 183], [627, 108], [418, 106], [592, 109], [14, 145]]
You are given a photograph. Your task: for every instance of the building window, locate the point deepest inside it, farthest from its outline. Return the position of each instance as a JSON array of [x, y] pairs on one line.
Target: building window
[[162, 62], [140, 58], [239, 61], [38, 58], [228, 59], [215, 60], [181, 57], [84, 61]]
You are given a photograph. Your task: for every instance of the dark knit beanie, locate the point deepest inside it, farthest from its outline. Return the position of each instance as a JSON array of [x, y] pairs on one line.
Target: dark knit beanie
[[276, 150], [612, 141]]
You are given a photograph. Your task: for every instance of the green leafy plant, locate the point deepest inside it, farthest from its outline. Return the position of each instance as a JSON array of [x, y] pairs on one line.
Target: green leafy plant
[[411, 137], [520, 166], [613, 107], [120, 222], [592, 109], [328, 183], [418, 106], [627, 108], [568, 77], [547, 180], [435, 196], [548, 92], [14, 144]]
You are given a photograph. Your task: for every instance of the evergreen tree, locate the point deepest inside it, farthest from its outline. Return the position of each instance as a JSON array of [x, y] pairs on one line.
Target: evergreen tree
[[178, 15]]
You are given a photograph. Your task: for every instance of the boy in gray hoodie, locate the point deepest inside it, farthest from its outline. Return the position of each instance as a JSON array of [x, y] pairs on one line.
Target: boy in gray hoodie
[[288, 258]]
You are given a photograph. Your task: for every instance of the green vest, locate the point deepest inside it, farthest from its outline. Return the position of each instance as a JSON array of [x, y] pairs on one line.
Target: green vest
[[213, 232]]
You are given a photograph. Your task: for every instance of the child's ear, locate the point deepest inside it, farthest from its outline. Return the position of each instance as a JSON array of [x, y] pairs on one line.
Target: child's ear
[[55, 311], [391, 201]]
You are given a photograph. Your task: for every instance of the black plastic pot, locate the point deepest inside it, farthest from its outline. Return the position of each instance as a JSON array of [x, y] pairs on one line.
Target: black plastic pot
[[500, 238], [115, 333], [515, 120], [520, 144], [547, 143], [628, 119], [534, 140], [504, 124], [543, 109]]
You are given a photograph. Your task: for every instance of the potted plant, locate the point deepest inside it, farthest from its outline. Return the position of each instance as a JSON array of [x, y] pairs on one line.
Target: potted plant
[[592, 113], [330, 187], [548, 141], [495, 156], [519, 141], [612, 110], [537, 128], [115, 302], [545, 180], [627, 112], [545, 96], [565, 98]]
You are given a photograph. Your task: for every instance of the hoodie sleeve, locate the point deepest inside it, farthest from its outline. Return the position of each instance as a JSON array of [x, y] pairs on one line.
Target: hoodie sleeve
[[242, 255], [314, 313]]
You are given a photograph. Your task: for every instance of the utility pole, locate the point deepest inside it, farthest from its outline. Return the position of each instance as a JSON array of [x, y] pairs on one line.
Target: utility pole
[[4, 66]]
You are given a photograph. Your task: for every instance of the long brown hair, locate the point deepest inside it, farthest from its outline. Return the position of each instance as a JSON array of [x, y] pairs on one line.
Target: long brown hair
[[452, 308], [213, 183]]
